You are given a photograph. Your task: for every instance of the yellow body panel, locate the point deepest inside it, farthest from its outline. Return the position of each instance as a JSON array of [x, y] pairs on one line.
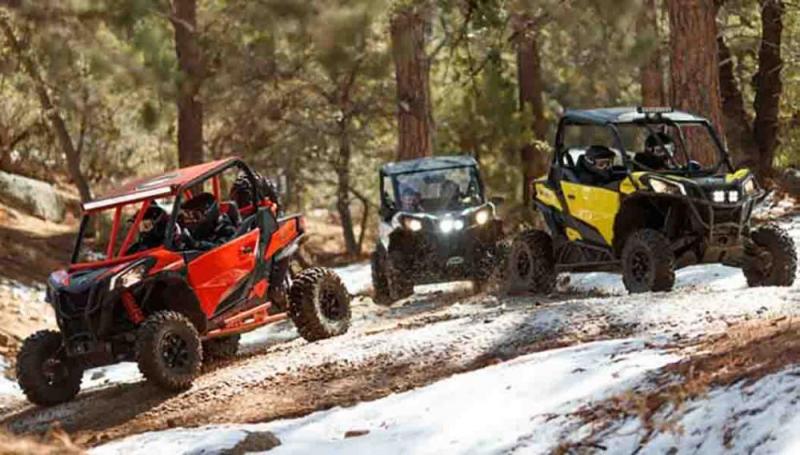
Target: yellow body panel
[[741, 174], [627, 186], [594, 206], [547, 196], [573, 234]]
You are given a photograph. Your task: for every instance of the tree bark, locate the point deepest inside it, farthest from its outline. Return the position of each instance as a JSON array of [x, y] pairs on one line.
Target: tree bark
[[53, 115], [190, 62], [651, 72], [412, 72], [343, 189], [768, 84], [738, 131], [695, 70], [531, 87]]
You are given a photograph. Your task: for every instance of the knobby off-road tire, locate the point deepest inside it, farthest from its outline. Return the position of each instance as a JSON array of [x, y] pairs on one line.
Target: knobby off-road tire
[[319, 304], [380, 281], [221, 348], [648, 263], [44, 373], [169, 351], [531, 265], [779, 266]]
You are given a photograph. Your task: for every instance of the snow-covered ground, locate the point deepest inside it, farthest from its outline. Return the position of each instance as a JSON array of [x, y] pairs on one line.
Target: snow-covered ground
[[486, 411]]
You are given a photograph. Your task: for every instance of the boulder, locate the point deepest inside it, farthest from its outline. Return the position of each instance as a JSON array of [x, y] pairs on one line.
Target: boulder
[[35, 197], [255, 441]]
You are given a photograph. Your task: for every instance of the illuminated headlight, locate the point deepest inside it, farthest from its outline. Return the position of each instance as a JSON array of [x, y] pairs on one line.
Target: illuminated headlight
[[733, 196], [129, 276], [413, 224], [750, 186], [718, 196], [448, 225], [482, 217], [667, 187]]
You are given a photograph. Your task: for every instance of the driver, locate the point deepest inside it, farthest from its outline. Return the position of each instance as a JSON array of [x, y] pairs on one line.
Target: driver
[[151, 230], [242, 192], [658, 152], [410, 199], [596, 165], [204, 226]]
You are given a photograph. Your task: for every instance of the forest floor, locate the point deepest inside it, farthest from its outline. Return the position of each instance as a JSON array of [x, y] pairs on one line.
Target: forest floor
[[708, 367]]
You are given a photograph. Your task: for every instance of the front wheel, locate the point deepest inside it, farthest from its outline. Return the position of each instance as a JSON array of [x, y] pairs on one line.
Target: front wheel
[[169, 351], [772, 261], [530, 264], [45, 374], [319, 304], [380, 281], [648, 263]]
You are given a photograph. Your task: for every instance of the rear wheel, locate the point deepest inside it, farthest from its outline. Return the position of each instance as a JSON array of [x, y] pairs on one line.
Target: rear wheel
[[319, 304], [530, 265], [773, 260], [169, 351], [45, 374], [648, 263]]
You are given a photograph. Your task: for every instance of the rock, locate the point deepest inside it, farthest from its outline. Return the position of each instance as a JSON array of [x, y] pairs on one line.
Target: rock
[[355, 433], [97, 375], [255, 441], [36, 197]]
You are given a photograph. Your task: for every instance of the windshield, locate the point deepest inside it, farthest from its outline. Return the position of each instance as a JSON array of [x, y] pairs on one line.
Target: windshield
[[440, 190], [654, 146]]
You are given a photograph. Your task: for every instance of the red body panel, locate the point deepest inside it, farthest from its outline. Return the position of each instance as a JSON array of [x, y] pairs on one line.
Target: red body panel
[[286, 233], [215, 274]]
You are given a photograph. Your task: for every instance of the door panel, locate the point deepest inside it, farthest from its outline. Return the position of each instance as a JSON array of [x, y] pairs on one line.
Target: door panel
[[216, 273], [594, 206]]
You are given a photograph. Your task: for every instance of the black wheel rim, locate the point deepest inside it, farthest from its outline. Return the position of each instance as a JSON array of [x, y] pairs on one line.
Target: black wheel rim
[[522, 263], [55, 371], [330, 303], [175, 352], [640, 266]]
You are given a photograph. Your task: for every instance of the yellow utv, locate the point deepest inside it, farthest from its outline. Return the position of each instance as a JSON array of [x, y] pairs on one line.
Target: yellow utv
[[644, 192]]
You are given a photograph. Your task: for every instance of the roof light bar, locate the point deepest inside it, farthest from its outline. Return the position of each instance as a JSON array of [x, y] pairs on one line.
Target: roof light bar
[[654, 110], [103, 203]]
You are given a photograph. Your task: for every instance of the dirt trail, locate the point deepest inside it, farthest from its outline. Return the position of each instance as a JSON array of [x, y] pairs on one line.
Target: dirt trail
[[426, 339]]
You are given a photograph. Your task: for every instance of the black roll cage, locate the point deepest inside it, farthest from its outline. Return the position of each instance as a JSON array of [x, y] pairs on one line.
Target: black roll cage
[[475, 172]]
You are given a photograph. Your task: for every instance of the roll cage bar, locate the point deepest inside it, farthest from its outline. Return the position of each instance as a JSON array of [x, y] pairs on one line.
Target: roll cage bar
[[656, 119], [181, 192]]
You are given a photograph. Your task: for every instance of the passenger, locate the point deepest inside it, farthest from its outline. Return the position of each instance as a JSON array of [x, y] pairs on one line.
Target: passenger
[[151, 230], [242, 192], [658, 152], [450, 195], [595, 166], [207, 227], [410, 200]]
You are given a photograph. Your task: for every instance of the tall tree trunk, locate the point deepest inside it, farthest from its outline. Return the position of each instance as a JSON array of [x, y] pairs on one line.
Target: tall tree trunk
[[738, 131], [51, 112], [651, 72], [695, 69], [768, 83], [412, 67], [343, 189], [190, 62], [529, 81]]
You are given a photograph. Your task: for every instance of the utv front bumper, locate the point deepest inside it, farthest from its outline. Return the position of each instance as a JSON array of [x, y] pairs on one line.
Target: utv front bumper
[[431, 256]]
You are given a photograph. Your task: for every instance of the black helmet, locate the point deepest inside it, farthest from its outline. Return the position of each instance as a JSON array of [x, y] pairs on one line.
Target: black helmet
[[242, 189], [659, 144], [200, 215], [599, 160], [154, 224]]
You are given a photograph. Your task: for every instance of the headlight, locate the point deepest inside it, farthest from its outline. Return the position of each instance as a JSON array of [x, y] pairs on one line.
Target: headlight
[[129, 276], [448, 225], [750, 186], [482, 217], [666, 187], [718, 196], [412, 224], [733, 196]]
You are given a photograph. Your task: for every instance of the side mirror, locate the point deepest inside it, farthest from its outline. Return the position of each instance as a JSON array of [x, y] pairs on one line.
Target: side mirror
[[497, 200]]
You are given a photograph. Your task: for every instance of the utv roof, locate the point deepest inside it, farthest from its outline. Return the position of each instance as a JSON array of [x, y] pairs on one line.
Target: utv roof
[[626, 115], [162, 185], [428, 164]]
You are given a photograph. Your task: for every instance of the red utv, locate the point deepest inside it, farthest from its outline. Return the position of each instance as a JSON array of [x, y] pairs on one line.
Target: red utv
[[167, 299]]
